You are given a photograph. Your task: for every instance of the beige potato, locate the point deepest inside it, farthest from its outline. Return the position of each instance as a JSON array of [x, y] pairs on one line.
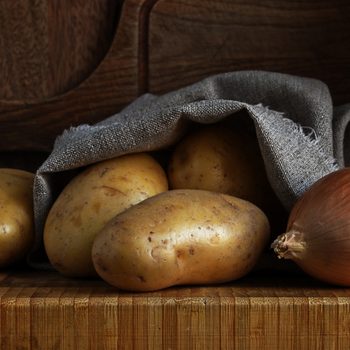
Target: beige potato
[[90, 200], [16, 215], [226, 158], [180, 237]]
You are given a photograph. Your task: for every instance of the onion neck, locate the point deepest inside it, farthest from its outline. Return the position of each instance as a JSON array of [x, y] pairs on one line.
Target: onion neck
[[290, 245]]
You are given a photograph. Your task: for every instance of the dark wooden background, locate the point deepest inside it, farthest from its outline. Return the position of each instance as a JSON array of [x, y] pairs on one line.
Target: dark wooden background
[[68, 62]]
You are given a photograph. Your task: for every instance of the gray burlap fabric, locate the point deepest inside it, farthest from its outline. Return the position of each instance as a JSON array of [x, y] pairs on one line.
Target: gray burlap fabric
[[293, 118]]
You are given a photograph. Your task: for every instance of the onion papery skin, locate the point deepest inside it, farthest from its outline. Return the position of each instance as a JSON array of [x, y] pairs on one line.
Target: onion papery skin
[[318, 230]]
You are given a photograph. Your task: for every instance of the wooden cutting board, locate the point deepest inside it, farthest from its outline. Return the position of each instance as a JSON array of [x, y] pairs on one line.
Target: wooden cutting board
[[266, 311]]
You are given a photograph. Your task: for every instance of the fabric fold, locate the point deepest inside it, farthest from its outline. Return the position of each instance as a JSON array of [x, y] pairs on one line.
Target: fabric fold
[[292, 116]]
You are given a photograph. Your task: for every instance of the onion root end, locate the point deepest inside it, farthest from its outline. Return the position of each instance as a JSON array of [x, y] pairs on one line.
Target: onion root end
[[289, 245]]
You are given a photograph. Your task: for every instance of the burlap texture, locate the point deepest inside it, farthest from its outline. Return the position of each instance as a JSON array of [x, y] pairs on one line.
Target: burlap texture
[[299, 139]]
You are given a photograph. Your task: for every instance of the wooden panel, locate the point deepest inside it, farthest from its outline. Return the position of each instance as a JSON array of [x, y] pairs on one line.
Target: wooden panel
[[191, 39], [33, 125], [41, 310], [48, 47], [159, 45]]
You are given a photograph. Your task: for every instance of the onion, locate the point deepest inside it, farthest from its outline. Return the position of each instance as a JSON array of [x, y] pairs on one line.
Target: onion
[[318, 230]]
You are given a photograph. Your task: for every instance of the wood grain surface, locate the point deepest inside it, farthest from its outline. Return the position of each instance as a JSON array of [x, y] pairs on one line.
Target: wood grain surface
[[191, 39], [49, 51], [34, 124], [42, 310], [49, 47]]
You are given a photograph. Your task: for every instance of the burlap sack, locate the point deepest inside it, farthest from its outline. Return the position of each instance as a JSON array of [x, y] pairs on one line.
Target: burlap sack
[[293, 118]]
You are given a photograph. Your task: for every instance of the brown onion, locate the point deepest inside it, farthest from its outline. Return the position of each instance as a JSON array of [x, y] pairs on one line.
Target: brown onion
[[318, 230]]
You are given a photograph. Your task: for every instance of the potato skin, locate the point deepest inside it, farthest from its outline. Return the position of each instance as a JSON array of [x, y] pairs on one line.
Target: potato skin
[[91, 199], [180, 237], [226, 158], [16, 215]]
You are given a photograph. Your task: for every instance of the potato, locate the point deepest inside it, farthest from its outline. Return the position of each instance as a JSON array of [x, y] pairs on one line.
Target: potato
[[89, 201], [225, 158], [16, 215], [180, 237]]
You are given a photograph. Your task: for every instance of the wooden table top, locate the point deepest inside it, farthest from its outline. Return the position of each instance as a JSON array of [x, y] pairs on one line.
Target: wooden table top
[[266, 310], [266, 284]]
